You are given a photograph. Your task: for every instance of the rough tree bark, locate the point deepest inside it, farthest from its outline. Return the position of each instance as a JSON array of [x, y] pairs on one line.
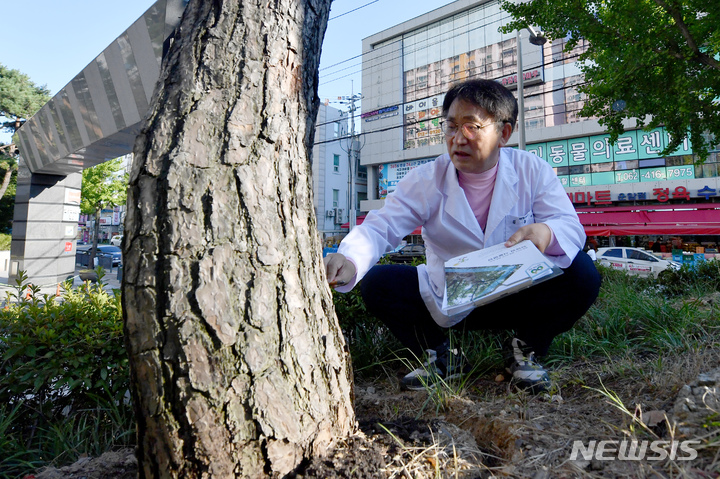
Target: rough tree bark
[[238, 365]]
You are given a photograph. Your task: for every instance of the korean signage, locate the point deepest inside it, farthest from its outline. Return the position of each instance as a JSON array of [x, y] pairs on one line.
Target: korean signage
[[529, 78], [632, 156], [599, 197], [72, 196], [424, 104], [116, 217], [422, 122], [381, 113], [71, 214], [391, 173]]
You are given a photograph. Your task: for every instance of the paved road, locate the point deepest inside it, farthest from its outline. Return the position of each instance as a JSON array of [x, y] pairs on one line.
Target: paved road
[[110, 279]]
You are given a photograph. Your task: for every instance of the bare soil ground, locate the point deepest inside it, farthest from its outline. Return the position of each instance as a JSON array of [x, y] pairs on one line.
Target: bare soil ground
[[488, 429]]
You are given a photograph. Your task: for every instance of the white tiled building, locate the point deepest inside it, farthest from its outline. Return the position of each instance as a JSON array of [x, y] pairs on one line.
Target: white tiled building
[[330, 165]]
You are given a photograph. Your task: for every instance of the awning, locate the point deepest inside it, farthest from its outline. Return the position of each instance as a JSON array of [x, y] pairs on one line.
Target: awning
[[690, 219], [361, 218]]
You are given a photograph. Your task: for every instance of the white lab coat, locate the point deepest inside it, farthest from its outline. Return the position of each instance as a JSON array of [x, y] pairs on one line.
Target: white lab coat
[[526, 191]]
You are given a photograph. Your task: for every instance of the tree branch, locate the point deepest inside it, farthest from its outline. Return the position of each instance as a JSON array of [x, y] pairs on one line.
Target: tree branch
[[676, 14]]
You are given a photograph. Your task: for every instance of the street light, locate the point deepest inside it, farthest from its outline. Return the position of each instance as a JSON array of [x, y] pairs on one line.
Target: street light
[[536, 38]]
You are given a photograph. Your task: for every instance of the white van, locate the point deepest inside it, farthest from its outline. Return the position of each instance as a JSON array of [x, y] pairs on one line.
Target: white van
[[116, 240], [634, 261]]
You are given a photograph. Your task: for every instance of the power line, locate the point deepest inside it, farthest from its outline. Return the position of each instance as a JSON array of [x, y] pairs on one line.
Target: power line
[[442, 36], [404, 125], [353, 10], [559, 60]]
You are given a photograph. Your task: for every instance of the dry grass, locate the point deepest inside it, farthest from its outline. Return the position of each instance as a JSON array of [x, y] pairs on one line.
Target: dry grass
[[488, 430]]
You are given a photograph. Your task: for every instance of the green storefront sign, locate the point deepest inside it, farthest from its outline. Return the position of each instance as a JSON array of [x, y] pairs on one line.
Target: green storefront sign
[[627, 156]]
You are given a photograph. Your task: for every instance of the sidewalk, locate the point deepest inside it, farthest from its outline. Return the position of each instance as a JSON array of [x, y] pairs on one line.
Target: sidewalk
[[110, 280]]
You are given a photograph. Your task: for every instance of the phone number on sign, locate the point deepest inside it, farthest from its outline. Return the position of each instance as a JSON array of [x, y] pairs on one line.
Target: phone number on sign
[[684, 172]]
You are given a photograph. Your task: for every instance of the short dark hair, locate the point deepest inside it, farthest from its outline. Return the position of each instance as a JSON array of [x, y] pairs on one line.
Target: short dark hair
[[489, 95]]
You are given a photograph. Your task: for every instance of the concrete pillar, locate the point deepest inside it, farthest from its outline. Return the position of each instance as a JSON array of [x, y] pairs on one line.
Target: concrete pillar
[[45, 222]]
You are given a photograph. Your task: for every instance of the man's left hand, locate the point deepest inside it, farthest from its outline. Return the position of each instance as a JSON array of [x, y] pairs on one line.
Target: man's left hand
[[539, 233]]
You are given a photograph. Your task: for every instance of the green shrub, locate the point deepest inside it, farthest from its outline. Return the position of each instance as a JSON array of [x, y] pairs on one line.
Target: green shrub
[[701, 277], [369, 341], [63, 370]]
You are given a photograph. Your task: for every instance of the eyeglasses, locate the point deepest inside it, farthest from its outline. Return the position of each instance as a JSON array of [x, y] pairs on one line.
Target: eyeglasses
[[470, 130]]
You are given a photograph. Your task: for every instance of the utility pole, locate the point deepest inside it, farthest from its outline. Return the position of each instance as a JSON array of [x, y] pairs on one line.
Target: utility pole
[[352, 157]]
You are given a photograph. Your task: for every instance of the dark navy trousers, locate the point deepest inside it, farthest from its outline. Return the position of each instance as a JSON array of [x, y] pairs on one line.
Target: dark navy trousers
[[535, 315]]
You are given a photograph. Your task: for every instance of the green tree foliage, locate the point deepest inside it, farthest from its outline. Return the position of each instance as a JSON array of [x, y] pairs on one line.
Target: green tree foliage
[[103, 186], [20, 98], [7, 199], [655, 61], [8, 183]]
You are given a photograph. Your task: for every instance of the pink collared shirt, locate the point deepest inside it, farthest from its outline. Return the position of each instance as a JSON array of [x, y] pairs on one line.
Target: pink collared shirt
[[478, 188]]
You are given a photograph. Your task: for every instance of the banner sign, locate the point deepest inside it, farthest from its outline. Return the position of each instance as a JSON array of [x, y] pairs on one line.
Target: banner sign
[[391, 173]]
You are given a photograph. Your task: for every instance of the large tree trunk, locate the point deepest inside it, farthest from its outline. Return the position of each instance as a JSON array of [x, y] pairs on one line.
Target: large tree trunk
[[238, 365]]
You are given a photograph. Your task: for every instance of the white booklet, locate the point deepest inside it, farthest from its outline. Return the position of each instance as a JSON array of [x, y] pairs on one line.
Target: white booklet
[[482, 276]]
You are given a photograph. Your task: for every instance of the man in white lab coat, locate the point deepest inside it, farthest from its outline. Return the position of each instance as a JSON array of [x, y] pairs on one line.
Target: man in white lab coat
[[477, 195]]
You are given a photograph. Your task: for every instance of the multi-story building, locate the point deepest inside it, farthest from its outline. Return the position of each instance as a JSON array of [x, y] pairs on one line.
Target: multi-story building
[[621, 189], [330, 169]]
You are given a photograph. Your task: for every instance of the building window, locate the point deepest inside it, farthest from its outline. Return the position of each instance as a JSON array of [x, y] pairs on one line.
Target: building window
[[337, 129], [361, 170], [336, 163], [336, 197]]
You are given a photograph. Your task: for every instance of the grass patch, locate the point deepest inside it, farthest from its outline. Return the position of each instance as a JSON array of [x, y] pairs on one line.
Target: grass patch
[[64, 376], [632, 317], [641, 317]]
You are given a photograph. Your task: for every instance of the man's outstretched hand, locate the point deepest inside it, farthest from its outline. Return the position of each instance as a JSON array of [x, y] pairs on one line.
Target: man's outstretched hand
[[539, 233], [339, 269]]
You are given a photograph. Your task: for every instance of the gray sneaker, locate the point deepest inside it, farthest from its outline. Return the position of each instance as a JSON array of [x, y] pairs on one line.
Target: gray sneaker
[[442, 364], [527, 373]]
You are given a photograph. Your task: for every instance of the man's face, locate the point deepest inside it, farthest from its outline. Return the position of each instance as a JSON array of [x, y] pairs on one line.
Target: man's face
[[475, 146]]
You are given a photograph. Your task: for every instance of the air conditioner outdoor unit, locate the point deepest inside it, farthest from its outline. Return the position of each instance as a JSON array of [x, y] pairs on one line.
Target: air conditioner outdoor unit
[[330, 213], [338, 215]]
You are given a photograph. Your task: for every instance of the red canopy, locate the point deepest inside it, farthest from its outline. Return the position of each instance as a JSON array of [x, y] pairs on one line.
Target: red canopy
[[690, 219]]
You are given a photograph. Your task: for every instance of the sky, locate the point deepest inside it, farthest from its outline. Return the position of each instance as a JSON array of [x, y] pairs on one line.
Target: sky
[[54, 40]]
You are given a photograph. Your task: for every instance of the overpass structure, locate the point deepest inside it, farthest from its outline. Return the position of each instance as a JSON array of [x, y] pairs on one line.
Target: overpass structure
[[94, 118]]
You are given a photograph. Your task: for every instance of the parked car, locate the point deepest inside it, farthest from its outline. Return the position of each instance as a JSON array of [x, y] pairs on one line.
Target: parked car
[[634, 261], [110, 250], [116, 240], [407, 253]]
